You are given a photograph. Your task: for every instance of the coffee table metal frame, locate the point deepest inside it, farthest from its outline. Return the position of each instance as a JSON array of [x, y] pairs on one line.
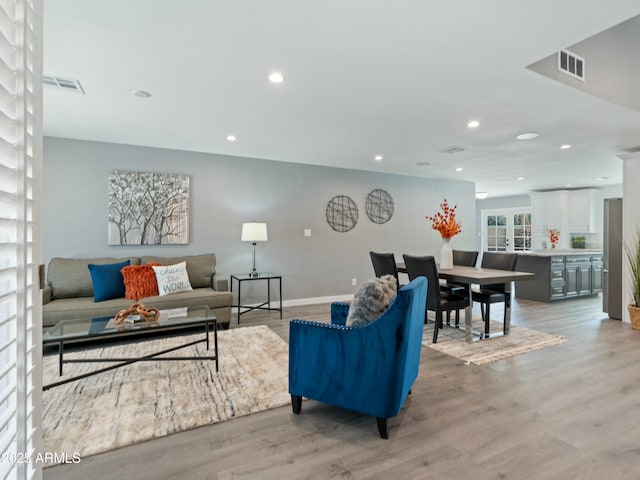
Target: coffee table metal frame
[[127, 330]]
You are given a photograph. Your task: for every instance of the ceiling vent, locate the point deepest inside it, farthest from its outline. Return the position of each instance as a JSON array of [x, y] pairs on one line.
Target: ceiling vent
[[451, 149], [59, 83], [571, 64]]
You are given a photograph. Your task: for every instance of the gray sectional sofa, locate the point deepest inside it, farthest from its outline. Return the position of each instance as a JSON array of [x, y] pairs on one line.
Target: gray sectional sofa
[[68, 293]]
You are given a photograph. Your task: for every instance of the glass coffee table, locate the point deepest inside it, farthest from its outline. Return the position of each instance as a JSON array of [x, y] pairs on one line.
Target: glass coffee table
[[76, 331]]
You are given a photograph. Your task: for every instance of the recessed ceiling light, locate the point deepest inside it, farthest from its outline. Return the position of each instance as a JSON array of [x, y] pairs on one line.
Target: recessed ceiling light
[[520, 178], [603, 178], [276, 77], [527, 136], [141, 93], [481, 195], [231, 138], [473, 124], [568, 185], [378, 158], [565, 146], [423, 163], [459, 169]]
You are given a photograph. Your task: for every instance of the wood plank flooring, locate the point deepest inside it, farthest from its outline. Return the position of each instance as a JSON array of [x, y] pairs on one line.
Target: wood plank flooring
[[570, 411]]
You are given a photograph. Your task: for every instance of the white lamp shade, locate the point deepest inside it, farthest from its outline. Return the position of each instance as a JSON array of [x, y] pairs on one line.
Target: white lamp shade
[[254, 232]]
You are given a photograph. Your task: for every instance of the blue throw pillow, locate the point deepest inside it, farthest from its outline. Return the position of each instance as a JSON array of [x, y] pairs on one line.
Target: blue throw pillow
[[107, 280]]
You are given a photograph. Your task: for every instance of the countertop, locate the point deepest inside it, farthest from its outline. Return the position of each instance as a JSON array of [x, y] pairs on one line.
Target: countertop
[[552, 252]]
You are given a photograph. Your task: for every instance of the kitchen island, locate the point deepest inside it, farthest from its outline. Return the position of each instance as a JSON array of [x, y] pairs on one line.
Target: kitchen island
[[560, 274]]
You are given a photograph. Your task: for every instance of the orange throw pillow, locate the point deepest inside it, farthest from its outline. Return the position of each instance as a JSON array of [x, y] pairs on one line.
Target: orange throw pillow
[[140, 281]]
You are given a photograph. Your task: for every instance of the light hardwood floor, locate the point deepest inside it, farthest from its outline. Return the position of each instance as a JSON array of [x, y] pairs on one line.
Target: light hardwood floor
[[570, 411]]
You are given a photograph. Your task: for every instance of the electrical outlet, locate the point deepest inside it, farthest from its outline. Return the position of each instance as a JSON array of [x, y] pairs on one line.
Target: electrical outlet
[[307, 232], [353, 282]]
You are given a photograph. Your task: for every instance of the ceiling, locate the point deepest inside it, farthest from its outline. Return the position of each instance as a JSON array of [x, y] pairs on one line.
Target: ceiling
[[362, 77]]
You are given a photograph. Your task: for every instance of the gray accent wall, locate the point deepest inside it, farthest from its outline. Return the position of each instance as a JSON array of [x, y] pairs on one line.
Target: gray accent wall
[[227, 191]]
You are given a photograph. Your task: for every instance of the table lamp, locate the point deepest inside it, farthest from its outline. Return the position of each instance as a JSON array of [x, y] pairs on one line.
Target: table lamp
[[254, 232]]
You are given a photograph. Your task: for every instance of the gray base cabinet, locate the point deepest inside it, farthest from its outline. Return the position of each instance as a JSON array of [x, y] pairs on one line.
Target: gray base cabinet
[[559, 277]]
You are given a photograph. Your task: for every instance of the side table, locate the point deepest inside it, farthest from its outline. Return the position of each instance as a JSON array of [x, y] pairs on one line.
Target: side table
[[245, 277]]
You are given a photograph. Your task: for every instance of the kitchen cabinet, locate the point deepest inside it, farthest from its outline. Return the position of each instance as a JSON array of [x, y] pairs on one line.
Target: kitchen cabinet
[[560, 276], [548, 210], [597, 265], [578, 276], [583, 208]]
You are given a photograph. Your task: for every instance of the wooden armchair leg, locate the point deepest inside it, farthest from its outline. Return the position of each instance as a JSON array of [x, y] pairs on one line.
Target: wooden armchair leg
[[382, 428], [296, 403]]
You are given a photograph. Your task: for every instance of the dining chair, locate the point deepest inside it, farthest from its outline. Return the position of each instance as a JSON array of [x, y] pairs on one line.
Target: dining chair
[[494, 293], [464, 259], [385, 264], [437, 301]]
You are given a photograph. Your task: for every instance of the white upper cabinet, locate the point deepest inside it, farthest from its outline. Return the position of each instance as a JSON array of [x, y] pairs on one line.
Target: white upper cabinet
[[583, 210]]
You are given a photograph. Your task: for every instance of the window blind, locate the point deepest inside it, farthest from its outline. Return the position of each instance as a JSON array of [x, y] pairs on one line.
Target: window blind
[[20, 167]]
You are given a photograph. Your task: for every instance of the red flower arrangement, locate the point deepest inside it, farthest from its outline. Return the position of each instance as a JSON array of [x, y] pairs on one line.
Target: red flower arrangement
[[554, 236], [445, 221]]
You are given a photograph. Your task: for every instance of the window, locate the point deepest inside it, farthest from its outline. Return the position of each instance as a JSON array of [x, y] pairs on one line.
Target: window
[[20, 165], [506, 230]]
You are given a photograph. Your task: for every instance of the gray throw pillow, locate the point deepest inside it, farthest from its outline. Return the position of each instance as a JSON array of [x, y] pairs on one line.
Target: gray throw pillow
[[371, 299]]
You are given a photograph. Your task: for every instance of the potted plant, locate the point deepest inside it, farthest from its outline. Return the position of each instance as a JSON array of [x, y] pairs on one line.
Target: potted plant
[[633, 256]]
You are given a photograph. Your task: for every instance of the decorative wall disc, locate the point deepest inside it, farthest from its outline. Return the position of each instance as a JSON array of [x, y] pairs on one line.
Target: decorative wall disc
[[342, 213], [379, 206]]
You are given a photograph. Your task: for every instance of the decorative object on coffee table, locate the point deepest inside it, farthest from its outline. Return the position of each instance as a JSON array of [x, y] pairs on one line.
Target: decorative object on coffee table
[[150, 314]]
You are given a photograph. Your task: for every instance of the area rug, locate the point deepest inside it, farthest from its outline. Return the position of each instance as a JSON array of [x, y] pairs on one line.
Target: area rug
[[520, 340], [147, 400]]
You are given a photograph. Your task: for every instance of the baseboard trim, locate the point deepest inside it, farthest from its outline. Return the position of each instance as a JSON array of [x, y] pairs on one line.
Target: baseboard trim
[[298, 302]]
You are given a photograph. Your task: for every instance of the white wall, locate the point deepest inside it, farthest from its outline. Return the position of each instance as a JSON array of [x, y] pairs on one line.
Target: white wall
[[630, 223], [227, 191]]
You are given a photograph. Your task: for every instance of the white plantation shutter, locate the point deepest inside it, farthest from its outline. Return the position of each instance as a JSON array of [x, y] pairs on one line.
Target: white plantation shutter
[[20, 167]]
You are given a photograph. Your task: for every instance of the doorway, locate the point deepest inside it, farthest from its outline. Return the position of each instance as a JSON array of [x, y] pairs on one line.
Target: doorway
[[506, 230]]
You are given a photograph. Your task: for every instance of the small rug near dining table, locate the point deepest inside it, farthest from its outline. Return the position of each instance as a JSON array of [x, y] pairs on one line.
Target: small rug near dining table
[[451, 341], [147, 400]]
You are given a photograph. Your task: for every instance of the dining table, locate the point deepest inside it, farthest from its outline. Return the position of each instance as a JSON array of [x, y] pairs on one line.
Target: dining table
[[479, 276]]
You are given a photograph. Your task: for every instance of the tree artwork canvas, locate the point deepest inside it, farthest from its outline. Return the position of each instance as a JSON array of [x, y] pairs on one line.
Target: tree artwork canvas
[[147, 208]]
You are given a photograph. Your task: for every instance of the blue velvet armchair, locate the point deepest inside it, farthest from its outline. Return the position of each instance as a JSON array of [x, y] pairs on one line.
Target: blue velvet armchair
[[368, 368]]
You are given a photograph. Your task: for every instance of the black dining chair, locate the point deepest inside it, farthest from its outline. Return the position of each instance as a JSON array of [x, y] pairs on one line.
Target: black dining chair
[[385, 264], [494, 293], [464, 259], [437, 301]]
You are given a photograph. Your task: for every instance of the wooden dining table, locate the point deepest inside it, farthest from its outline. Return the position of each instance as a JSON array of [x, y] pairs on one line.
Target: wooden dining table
[[479, 276]]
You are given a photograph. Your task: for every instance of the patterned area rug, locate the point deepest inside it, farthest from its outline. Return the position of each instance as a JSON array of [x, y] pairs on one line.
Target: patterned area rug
[[147, 400], [520, 340]]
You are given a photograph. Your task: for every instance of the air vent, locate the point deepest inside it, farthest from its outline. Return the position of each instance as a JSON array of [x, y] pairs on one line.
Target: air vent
[[571, 64], [67, 84], [451, 149]]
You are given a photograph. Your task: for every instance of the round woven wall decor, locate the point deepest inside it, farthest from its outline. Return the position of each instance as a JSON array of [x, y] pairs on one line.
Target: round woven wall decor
[[379, 206], [342, 213]]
